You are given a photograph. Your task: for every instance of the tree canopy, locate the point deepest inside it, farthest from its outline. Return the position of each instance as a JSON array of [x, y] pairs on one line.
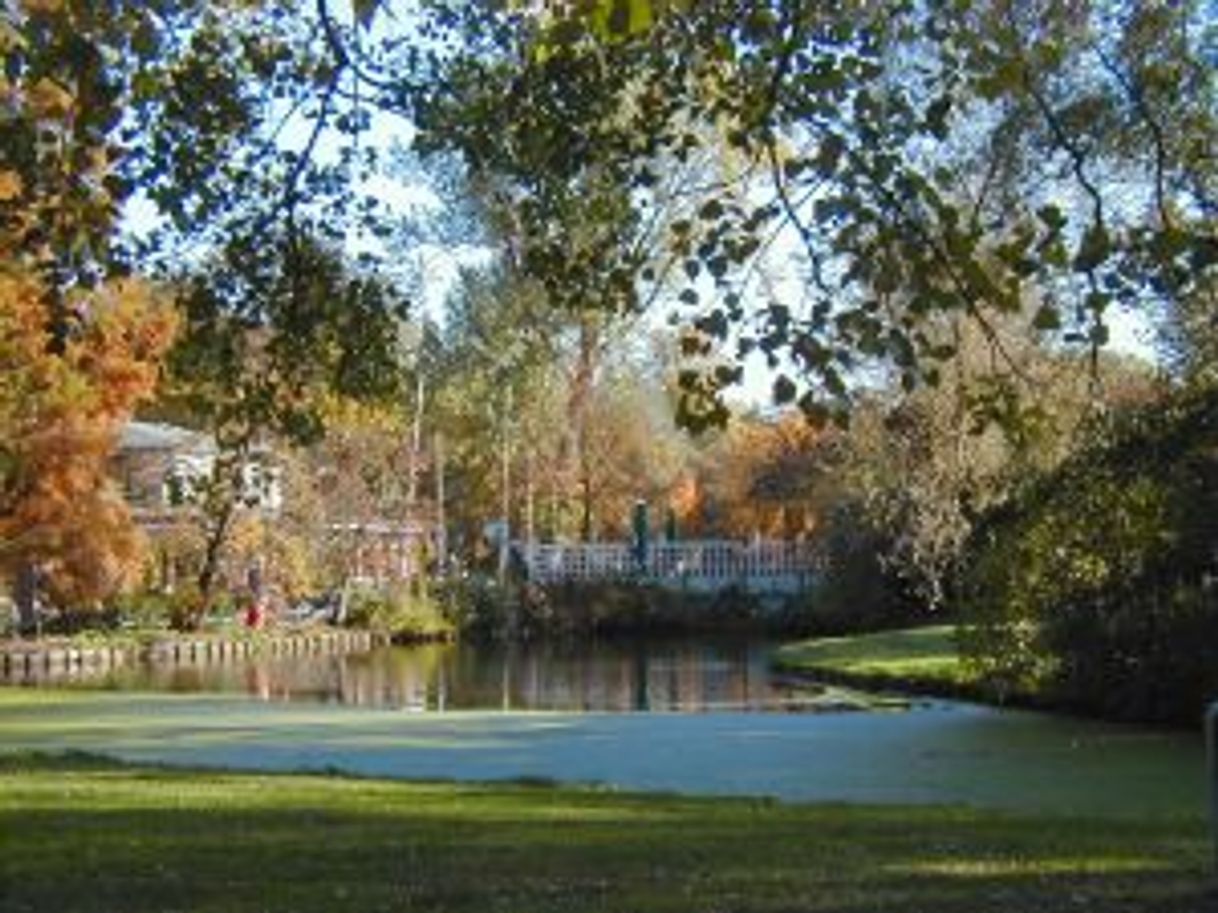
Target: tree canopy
[[819, 184], [854, 194], [912, 160]]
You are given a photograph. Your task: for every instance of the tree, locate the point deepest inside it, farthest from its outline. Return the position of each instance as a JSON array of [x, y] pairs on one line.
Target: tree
[[61, 409], [971, 157], [568, 398], [949, 158], [1094, 584], [631, 449], [272, 334], [921, 467], [79, 348], [760, 476], [1188, 337], [359, 476]]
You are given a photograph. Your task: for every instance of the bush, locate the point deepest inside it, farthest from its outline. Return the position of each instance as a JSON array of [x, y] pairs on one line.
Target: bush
[[857, 592], [480, 607], [157, 609], [399, 613], [1096, 586]]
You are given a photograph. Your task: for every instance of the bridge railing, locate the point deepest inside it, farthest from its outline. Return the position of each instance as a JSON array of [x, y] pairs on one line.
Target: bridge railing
[[711, 560]]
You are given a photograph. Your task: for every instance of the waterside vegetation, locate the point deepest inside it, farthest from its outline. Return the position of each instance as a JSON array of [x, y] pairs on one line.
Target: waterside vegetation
[[923, 660]]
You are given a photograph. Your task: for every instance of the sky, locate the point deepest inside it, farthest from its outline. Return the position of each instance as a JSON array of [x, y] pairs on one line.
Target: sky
[[437, 265]]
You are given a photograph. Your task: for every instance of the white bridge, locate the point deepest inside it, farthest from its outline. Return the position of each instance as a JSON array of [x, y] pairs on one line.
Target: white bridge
[[703, 565]]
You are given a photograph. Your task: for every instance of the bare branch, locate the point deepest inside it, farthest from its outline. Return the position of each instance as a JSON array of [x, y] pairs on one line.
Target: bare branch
[[343, 56], [1152, 124]]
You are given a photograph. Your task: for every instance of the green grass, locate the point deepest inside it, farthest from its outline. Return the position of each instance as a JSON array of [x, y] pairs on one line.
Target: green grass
[[918, 656], [78, 833]]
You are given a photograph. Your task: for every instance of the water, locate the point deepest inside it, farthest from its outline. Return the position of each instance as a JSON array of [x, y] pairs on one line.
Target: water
[[671, 675], [695, 716]]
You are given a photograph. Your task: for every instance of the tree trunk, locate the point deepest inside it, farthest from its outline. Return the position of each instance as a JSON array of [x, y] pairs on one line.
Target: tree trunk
[[585, 480], [25, 595], [441, 518], [221, 507], [577, 413], [416, 445], [213, 548]]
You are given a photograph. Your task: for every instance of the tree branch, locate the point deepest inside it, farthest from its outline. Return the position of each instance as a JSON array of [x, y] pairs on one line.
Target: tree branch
[[344, 58], [1156, 132]]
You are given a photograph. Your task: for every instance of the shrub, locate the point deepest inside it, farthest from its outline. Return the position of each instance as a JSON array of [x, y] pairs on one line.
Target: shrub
[[1097, 584], [856, 591], [398, 612]]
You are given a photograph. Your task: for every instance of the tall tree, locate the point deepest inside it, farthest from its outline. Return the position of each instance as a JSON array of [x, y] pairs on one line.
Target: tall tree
[[62, 405], [272, 334], [79, 347], [975, 157]]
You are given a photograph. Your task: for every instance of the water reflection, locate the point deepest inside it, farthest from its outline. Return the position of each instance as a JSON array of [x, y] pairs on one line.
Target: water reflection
[[636, 675]]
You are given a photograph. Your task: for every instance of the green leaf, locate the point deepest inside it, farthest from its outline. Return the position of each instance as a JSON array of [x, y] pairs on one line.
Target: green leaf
[[1093, 249], [713, 324], [1052, 216], [936, 116], [613, 20], [365, 11], [784, 390], [1047, 318], [816, 412], [711, 211], [727, 375], [834, 383]]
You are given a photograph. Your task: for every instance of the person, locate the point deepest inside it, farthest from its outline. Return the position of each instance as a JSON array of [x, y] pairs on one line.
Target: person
[[255, 615], [255, 612]]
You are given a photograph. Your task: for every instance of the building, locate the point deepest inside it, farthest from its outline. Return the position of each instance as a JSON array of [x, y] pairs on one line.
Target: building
[[162, 469], [158, 467]]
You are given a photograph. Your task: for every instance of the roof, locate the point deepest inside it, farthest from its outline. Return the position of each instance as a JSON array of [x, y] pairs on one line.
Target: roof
[[145, 436]]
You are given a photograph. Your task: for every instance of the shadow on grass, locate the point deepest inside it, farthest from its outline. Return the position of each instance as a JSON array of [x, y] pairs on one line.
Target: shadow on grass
[[78, 832]]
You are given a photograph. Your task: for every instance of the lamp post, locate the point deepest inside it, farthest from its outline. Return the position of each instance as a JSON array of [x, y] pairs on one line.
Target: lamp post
[[1211, 752], [505, 486], [641, 535]]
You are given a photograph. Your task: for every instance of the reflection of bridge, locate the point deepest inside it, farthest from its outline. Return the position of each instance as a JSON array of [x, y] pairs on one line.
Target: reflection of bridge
[[756, 566]]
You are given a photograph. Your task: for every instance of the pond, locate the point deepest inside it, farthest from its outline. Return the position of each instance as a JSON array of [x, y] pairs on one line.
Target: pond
[[691, 716], [624, 675]]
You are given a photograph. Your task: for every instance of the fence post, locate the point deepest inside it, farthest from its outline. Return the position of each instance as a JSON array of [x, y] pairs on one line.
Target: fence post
[[1211, 753]]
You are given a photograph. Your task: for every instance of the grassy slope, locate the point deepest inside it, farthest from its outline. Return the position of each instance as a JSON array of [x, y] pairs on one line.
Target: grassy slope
[[920, 657], [83, 834]]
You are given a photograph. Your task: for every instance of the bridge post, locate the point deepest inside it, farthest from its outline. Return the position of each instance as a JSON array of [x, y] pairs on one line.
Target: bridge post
[[640, 536]]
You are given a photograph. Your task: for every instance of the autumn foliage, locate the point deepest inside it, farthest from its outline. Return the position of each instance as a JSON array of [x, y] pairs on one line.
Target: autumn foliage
[[76, 354], [759, 478], [62, 404]]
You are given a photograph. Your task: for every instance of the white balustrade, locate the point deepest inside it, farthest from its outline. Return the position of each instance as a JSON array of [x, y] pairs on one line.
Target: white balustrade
[[711, 560]]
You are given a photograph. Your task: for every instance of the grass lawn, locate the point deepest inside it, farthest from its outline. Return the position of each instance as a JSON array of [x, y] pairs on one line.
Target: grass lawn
[[924, 657], [81, 833]]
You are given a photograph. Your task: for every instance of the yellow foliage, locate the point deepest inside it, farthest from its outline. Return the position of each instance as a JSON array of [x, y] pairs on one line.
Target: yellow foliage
[[47, 99], [41, 6], [349, 414], [10, 185], [285, 559], [61, 409]]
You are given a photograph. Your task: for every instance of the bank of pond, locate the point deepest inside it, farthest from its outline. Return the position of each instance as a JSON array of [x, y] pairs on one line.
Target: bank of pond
[[926, 660], [1150, 672]]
